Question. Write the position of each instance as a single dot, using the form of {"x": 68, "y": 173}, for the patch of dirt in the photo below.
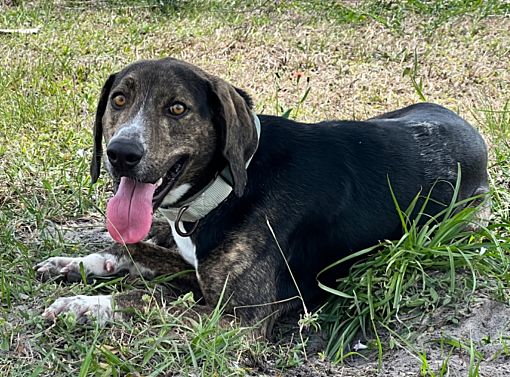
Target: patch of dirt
{"x": 88, "y": 234}
{"x": 487, "y": 324}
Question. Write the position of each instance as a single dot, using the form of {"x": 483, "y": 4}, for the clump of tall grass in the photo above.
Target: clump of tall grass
{"x": 400, "y": 277}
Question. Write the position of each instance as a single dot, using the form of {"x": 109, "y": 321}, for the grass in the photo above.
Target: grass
{"x": 401, "y": 277}
{"x": 308, "y": 60}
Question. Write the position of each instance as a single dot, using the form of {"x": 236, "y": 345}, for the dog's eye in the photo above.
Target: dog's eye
{"x": 177, "y": 109}
{"x": 119, "y": 101}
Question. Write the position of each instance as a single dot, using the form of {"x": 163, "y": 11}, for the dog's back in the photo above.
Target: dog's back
{"x": 446, "y": 143}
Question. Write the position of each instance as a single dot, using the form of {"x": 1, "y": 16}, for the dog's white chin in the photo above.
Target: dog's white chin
{"x": 175, "y": 194}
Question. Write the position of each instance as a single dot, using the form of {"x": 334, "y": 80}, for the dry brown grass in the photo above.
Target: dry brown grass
{"x": 358, "y": 72}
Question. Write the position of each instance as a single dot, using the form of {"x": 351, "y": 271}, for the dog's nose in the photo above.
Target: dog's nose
{"x": 124, "y": 154}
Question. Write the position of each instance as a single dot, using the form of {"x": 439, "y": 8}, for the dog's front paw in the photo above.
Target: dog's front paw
{"x": 69, "y": 268}
{"x": 84, "y": 308}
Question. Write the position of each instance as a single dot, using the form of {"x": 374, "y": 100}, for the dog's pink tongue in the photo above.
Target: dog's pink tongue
{"x": 129, "y": 212}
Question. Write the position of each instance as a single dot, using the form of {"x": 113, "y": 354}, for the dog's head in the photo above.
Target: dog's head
{"x": 169, "y": 128}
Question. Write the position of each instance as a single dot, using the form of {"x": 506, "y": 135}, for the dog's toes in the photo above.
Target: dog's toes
{"x": 49, "y": 268}
{"x": 84, "y": 308}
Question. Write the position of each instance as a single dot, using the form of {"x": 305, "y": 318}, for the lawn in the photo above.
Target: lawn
{"x": 435, "y": 303}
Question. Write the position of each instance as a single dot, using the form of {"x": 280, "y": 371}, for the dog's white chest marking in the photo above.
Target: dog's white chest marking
{"x": 186, "y": 247}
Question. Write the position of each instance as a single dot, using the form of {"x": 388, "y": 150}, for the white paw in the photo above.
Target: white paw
{"x": 83, "y": 307}
{"x": 97, "y": 264}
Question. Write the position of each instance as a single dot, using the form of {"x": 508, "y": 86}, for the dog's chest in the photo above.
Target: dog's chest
{"x": 185, "y": 246}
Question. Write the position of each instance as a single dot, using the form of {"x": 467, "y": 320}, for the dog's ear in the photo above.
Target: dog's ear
{"x": 95, "y": 164}
{"x": 232, "y": 113}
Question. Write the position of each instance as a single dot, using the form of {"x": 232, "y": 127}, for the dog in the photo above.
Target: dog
{"x": 256, "y": 204}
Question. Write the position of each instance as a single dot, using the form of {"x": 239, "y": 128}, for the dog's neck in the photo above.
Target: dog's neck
{"x": 202, "y": 203}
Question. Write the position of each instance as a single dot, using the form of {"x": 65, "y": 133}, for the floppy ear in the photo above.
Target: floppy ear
{"x": 95, "y": 164}
{"x": 237, "y": 127}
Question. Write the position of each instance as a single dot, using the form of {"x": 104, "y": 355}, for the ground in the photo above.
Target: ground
{"x": 311, "y": 61}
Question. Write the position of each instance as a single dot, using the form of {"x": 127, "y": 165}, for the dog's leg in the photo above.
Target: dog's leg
{"x": 100, "y": 264}
{"x": 245, "y": 271}
{"x": 108, "y": 308}
{"x": 101, "y": 308}
{"x": 145, "y": 259}
{"x": 142, "y": 258}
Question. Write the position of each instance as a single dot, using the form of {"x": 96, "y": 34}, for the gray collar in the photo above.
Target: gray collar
{"x": 208, "y": 199}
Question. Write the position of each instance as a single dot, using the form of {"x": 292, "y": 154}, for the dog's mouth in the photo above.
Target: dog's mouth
{"x": 129, "y": 212}
{"x": 165, "y": 183}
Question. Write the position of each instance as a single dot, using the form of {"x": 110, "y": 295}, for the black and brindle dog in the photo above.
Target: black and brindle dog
{"x": 187, "y": 143}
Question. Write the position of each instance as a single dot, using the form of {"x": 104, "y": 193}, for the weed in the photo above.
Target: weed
{"x": 412, "y": 72}
{"x": 291, "y": 112}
